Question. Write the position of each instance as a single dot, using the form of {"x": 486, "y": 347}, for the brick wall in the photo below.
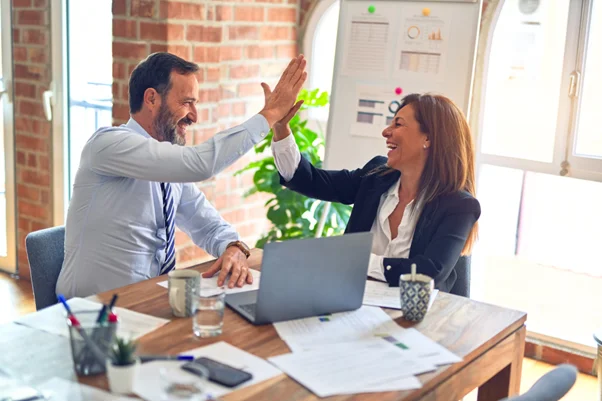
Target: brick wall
{"x": 237, "y": 44}
{"x": 31, "y": 55}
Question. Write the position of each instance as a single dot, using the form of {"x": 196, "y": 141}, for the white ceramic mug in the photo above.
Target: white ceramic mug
{"x": 183, "y": 289}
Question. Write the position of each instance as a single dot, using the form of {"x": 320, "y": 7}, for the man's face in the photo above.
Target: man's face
{"x": 177, "y": 110}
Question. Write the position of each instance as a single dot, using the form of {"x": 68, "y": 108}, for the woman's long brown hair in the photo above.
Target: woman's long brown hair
{"x": 450, "y": 166}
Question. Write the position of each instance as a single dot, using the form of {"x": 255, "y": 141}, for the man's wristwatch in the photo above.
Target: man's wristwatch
{"x": 242, "y": 246}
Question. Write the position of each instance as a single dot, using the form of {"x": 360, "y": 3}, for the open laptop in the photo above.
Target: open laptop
{"x": 309, "y": 277}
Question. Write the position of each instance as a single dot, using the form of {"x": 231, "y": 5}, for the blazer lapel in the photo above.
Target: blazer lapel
{"x": 365, "y": 209}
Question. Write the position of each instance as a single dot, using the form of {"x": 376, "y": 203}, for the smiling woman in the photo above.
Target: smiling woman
{"x": 418, "y": 201}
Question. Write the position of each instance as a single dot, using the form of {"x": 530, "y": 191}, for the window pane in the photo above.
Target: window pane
{"x": 90, "y": 74}
{"x": 523, "y": 80}
{"x": 323, "y": 51}
{"x": 538, "y": 250}
{"x": 589, "y": 133}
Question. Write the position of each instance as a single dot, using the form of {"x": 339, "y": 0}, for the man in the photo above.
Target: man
{"x": 135, "y": 182}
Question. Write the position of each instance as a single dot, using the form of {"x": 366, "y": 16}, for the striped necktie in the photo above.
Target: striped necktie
{"x": 170, "y": 246}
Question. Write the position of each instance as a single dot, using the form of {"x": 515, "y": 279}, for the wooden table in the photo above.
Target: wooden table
{"x": 490, "y": 339}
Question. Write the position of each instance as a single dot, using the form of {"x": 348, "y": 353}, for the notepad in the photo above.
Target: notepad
{"x": 150, "y": 385}
{"x": 58, "y": 389}
{"x": 380, "y": 294}
{"x": 209, "y": 282}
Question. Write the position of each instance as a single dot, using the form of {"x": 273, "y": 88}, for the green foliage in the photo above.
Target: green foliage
{"x": 123, "y": 351}
{"x": 293, "y": 215}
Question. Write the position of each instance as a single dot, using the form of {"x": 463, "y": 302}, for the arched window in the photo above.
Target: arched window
{"x": 319, "y": 46}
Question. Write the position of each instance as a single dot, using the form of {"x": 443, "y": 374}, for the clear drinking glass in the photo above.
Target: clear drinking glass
{"x": 208, "y": 318}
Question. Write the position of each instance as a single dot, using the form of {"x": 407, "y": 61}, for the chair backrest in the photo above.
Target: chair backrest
{"x": 45, "y": 252}
{"x": 551, "y": 386}
{"x": 462, "y": 285}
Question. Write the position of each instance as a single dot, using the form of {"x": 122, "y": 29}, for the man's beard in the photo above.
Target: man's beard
{"x": 166, "y": 127}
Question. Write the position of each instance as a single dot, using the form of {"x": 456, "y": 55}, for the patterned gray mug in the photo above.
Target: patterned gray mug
{"x": 183, "y": 290}
{"x": 415, "y": 291}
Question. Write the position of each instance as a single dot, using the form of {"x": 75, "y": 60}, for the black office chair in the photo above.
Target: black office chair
{"x": 462, "y": 285}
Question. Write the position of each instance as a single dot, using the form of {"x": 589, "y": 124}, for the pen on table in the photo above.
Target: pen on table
{"x": 112, "y": 303}
{"x": 148, "y": 358}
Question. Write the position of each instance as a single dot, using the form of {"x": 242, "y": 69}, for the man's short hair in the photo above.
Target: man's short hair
{"x": 154, "y": 72}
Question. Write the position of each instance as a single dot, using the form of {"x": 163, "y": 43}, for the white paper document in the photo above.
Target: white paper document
{"x": 374, "y": 365}
{"x": 422, "y": 46}
{"x": 53, "y": 319}
{"x": 364, "y": 323}
{"x": 374, "y": 109}
{"x": 58, "y": 389}
{"x": 380, "y": 294}
{"x": 413, "y": 343}
{"x": 151, "y": 386}
{"x": 212, "y": 282}
{"x": 367, "y": 39}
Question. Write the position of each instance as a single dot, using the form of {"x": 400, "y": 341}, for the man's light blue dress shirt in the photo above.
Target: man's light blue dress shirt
{"x": 115, "y": 231}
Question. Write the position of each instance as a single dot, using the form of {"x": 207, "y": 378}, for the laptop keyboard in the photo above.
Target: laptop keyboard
{"x": 249, "y": 308}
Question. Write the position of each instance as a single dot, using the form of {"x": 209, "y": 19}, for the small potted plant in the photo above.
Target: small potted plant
{"x": 123, "y": 366}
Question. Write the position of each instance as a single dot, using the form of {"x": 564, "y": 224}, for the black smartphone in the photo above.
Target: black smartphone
{"x": 218, "y": 372}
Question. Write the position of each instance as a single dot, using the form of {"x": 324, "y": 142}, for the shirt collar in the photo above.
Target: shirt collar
{"x": 394, "y": 189}
{"x": 134, "y": 125}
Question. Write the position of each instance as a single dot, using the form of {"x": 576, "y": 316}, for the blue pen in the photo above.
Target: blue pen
{"x": 74, "y": 320}
{"x": 148, "y": 358}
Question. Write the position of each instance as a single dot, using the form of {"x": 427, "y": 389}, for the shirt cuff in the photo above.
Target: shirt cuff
{"x": 222, "y": 247}
{"x": 258, "y": 127}
{"x": 281, "y": 145}
{"x": 375, "y": 269}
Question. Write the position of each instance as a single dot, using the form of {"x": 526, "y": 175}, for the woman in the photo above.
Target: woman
{"x": 418, "y": 201}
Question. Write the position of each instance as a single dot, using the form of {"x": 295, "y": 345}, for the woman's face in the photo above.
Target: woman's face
{"x": 408, "y": 146}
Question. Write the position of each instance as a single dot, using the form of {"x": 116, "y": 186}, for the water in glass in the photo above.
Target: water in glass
{"x": 209, "y": 317}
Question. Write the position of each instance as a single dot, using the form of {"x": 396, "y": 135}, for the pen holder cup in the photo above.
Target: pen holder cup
{"x": 90, "y": 343}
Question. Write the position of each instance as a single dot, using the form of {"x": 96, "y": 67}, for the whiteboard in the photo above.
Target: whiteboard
{"x": 388, "y": 49}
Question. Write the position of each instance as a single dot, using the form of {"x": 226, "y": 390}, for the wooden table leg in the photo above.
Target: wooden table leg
{"x": 507, "y": 382}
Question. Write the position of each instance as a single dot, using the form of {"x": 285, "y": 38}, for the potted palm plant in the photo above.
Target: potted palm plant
{"x": 123, "y": 366}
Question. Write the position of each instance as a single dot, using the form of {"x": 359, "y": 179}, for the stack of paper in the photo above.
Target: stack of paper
{"x": 52, "y": 319}
{"x": 373, "y": 365}
{"x": 377, "y": 354}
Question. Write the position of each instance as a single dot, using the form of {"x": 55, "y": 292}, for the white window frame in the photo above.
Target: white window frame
{"x": 577, "y": 167}
{"x": 8, "y": 263}
{"x": 307, "y": 44}
{"x": 310, "y": 28}
{"x": 584, "y": 167}
{"x": 59, "y": 108}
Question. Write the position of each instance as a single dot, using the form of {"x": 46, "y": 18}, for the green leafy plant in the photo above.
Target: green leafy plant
{"x": 123, "y": 351}
{"x": 293, "y": 215}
